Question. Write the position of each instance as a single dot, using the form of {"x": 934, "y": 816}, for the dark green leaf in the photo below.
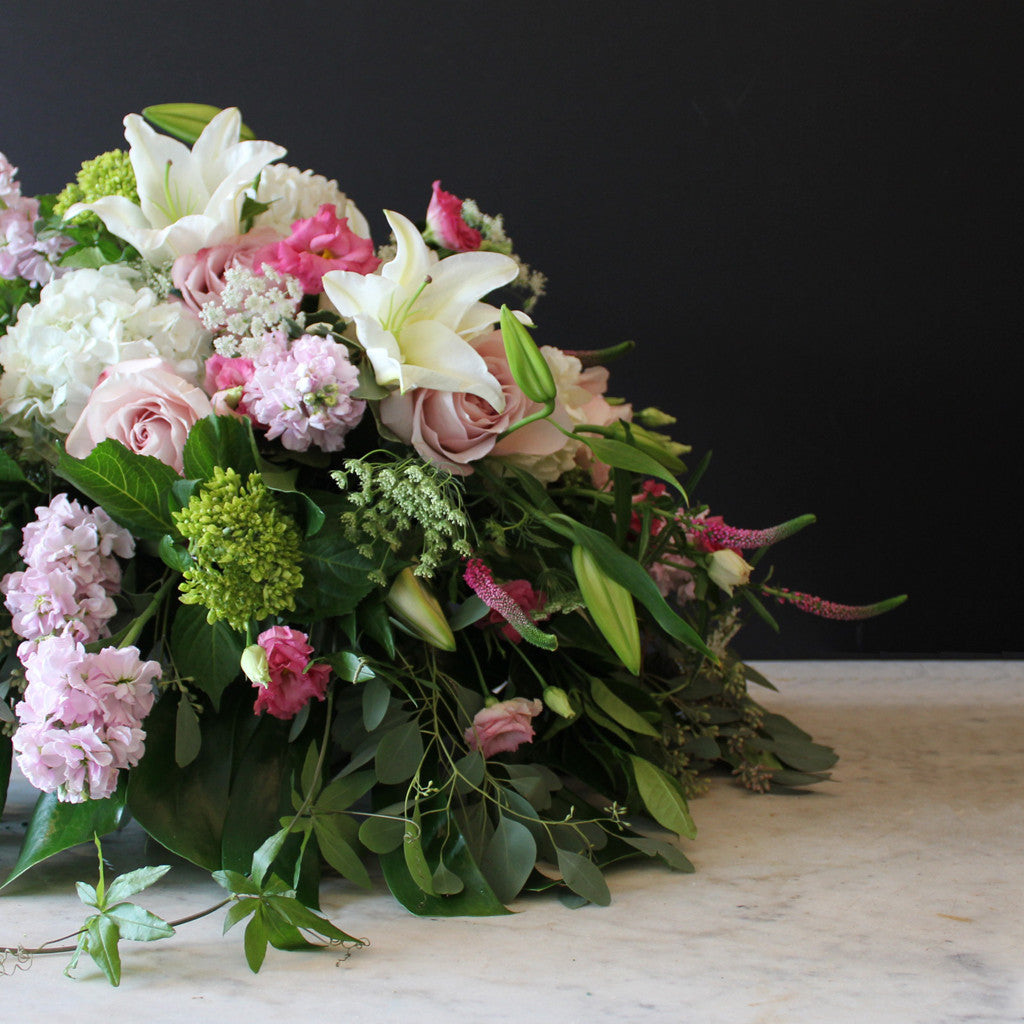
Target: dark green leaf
{"x": 239, "y": 911}
{"x": 335, "y": 576}
{"x": 133, "y": 489}
{"x": 584, "y": 877}
{"x": 509, "y": 858}
{"x": 343, "y": 792}
{"x": 351, "y": 668}
{"x": 662, "y": 798}
{"x": 415, "y": 858}
{"x": 470, "y": 611}
{"x": 235, "y": 882}
{"x": 56, "y": 826}
{"x": 219, "y": 441}
{"x": 174, "y": 554}
{"x": 10, "y": 471}
{"x": 255, "y": 942}
{"x": 187, "y": 737}
{"x": 670, "y": 854}
{"x": 302, "y": 917}
{"x": 800, "y": 754}
{"x": 266, "y": 854}
{"x": 208, "y": 654}
{"x": 399, "y": 754}
{"x": 755, "y": 602}
{"x": 624, "y": 456}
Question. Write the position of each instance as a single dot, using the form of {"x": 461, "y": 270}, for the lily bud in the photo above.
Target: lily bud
{"x": 186, "y": 121}
{"x": 728, "y": 569}
{"x": 652, "y": 417}
{"x": 557, "y": 700}
{"x": 528, "y": 366}
{"x": 416, "y": 607}
{"x": 255, "y": 666}
{"x": 610, "y": 606}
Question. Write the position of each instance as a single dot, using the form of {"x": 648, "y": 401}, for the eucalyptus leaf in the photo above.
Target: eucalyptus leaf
{"x": 584, "y": 877}
{"x": 665, "y": 851}
{"x": 399, "y": 753}
{"x": 376, "y": 699}
{"x": 509, "y": 858}
{"x": 382, "y": 835}
{"x": 187, "y": 736}
{"x": 415, "y": 858}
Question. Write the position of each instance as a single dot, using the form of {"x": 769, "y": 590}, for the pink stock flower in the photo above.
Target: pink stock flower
{"x": 293, "y": 681}
{"x": 200, "y": 276}
{"x": 446, "y": 224}
{"x": 81, "y": 715}
{"x": 302, "y": 393}
{"x": 319, "y": 245}
{"x": 502, "y": 727}
{"x": 145, "y": 405}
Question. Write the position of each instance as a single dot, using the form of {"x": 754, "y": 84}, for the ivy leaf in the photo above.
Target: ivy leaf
{"x": 133, "y": 489}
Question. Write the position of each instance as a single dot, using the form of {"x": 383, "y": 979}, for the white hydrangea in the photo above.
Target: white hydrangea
{"x": 84, "y": 322}
{"x": 298, "y": 195}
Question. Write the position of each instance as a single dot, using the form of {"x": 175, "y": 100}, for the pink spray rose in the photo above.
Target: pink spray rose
{"x": 200, "y": 276}
{"x": 143, "y": 404}
{"x": 503, "y": 727}
{"x": 225, "y": 383}
{"x": 318, "y": 245}
{"x": 455, "y": 429}
{"x": 446, "y": 225}
{"x": 292, "y": 685}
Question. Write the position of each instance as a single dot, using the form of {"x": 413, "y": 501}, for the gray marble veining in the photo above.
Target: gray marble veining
{"x": 892, "y": 894}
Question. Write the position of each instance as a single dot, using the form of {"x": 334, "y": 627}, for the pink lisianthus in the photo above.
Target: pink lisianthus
{"x": 502, "y": 727}
{"x": 456, "y": 429}
{"x": 527, "y": 598}
{"x": 302, "y": 392}
{"x": 225, "y": 383}
{"x": 200, "y": 276}
{"x": 319, "y": 245}
{"x": 446, "y": 225}
{"x": 145, "y": 405}
{"x": 293, "y": 681}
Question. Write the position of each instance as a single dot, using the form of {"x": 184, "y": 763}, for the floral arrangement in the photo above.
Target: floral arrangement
{"x": 311, "y": 555}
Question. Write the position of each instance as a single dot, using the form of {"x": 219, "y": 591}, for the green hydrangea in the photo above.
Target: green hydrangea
{"x": 109, "y": 174}
{"x": 246, "y": 550}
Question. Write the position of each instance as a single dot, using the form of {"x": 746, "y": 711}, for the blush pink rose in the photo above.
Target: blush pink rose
{"x": 200, "y": 276}
{"x": 292, "y": 685}
{"x": 445, "y": 222}
{"x": 143, "y": 404}
{"x": 318, "y": 245}
{"x": 453, "y": 429}
{"x": 503, "y": 727}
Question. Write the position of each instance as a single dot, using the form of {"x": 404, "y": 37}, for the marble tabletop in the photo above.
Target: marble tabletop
{"x": 892, "y": 893}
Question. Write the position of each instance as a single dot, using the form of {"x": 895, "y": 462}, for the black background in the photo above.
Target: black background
{"x": 806, "y": 214}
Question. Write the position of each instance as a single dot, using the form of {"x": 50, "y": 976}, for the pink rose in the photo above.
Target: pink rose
{"x": 200, "y": 276}
{"x": 445, "y": 222}
{"x": 453, "y": 429}
{"x": 292, "y": 685}
{"x": 318, "y": 245}
{"x": 503, "y": 727}
{"x": 143, "y": 404}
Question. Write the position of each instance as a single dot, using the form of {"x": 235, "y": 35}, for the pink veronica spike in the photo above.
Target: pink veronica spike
{"x": 830, "y": 609}
{"x": 733, "y": 537}
{"x": 478, "y": 576}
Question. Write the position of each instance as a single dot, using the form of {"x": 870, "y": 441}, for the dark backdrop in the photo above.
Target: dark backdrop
{"x": 806, "y": 214}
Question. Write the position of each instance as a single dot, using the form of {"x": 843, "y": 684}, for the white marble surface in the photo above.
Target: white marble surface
{"x": 893, "y": 893}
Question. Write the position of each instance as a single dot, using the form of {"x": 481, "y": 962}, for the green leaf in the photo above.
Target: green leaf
{"x": 415, "y": 858}
{"x": 633, "y": 576}
{"x": 255, "y": 942}
{"x": 237, "y": 912}
{"x": 219, "y": 441}
{"x": 236, "y": 883}
{"x": 509, "y": 858}
{"x": 351, "y": 668}
{"x": 335, "y": 576}
{"x": 295, "y": 913}
{"x": 56, "y": 826}
{"x": 187, "y": 737}
{"x": 133, "y": 489}
{"x": 103, "y": 936}
{"x": 376, "y": 700}
{"x": 186, "y": 121}
{"x": 445, "y": 881}
{"x": 265, "y": 855}
{"x": 619, "y": 710}
{"x": 344, "y": 792}
{"x": 399, "y": 754}
{"x": 338, "y": 852}
{"x": 584, "y": 877}
{"x": 134, "y": 882}
{"x": 800, "y": 754}
{"x": 137, "y": 924}
{"x": 470, "y": 611}
{"x": 87, "y": 894}
{"x": 668, "y": 853}
{"x": 621, "y": 455}
{"x": 174, "y": 554}
{"x": 382, "y": 835}
{"x": 10, "y": 471}
{"x": 662, "y": 798}
{"x": 210, "y": 655}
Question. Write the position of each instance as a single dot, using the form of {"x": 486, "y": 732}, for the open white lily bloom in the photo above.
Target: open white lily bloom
{"x": 413, "y": 319}
{"x": 189, "y": 199}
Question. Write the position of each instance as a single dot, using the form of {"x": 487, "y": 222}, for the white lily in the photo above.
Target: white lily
{"x": 413, "y": 319}
{"x": 188, "y": 198}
